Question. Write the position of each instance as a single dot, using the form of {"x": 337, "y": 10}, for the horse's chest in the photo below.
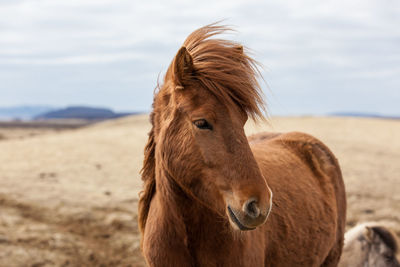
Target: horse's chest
{"x": 228, "y": 260}
{"x": 232, "y": 253}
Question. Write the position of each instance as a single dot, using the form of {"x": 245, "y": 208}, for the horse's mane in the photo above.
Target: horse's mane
{"x": 388, "y": 237}
{"x": 223, "y": 68}
{"x": 148, "y": 178}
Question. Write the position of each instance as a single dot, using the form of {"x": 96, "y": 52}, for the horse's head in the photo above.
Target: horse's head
{"x": 370, "y": 244}
{"x": 209, "y": 91}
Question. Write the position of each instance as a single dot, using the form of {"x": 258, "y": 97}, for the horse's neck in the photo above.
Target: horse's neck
{"x": 203, "y": 227}
{"x": 188, "y": 208}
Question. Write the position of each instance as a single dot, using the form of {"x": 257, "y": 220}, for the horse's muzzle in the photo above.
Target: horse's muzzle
{"x": 246, "y": 220}
{"x": 236, "y": 221}
{"x": 250, "y": 216}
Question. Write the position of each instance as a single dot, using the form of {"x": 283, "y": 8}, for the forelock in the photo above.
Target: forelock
{"x": 223, "y": 68}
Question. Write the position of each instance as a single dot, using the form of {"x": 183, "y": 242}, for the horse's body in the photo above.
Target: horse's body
{"x": 205, "y": 183}
{"x": 370, "y": 245}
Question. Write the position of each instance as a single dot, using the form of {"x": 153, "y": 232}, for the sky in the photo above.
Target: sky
{"x": 319, "y": 57}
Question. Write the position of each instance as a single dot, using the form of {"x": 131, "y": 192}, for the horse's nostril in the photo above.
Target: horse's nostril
{"x": 251, "y": 208}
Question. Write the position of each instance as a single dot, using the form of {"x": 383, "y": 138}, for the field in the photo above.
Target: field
{"x": 68, "y": 197}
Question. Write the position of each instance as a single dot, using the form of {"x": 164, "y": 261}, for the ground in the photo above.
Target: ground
{"x": 68, "y": 197}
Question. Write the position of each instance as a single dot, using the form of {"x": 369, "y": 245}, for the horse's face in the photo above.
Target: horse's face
{"x": 210, "y": 155}
{"x": 381, "y": 255}
{"x": 227, "y": 161}
{"x": 370, "y": 245}
{"x": 382, "y": 247}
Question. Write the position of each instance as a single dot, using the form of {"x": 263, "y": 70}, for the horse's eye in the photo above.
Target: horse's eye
{"x": 388, "y": 256}
{"x": 203, "y": 124}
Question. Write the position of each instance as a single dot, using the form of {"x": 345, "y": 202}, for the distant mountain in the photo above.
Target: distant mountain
{"x": 23, "y": 112}
{"x": 81, "y": 112}
{"x": 365, "y": 115}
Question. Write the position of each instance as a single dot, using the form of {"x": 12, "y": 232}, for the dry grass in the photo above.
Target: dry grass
{"x": 69, "y": 198}
{"x": 26, "y": 129}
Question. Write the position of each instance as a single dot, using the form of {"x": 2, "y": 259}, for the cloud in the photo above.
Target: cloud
{"x": 310, "y": 48}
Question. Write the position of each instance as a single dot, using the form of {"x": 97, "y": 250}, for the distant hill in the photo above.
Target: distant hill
{"x": 81, "y": 112}
{"x": 364, "y": 115}
{"x": 23, "y": 112}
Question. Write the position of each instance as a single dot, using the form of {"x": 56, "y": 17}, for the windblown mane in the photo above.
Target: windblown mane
{"x": 148, "y": 178}
{"x": 223, "y": 68}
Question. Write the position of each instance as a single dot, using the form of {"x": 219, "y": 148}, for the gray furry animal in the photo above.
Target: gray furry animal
{"x": 370, "y": 244}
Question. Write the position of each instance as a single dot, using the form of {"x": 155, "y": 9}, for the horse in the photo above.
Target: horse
{"x": 370, "y": 244}
{"x": 208, "y": 190}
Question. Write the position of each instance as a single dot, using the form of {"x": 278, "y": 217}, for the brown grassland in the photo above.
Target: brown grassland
{"x": 69, "y": 197}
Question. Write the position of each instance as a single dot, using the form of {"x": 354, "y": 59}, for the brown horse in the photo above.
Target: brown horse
{"x": 208, "y": 189}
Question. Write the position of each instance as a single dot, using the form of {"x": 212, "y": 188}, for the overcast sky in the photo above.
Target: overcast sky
{"x": 319, "y": 56}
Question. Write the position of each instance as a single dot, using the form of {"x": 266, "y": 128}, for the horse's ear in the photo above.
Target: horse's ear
{"x": 369, "y": 234}
{"x": 182, "y": 68}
